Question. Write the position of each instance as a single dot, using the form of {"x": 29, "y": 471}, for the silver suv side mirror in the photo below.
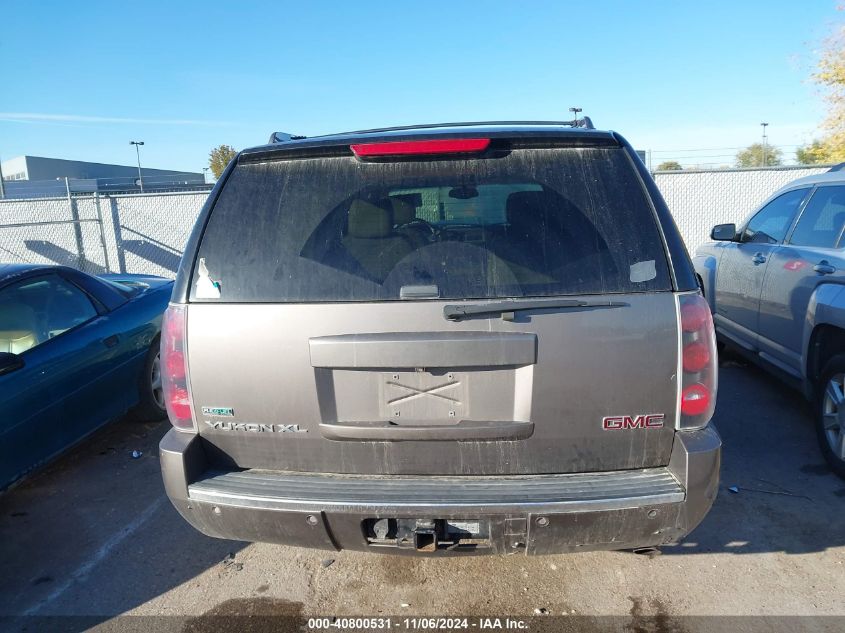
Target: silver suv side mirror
{"x": 724, "y": 233}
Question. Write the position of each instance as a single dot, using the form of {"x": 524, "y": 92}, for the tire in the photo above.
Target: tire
{"x": 830, "y": 414}
{"x": 150, "y": 397}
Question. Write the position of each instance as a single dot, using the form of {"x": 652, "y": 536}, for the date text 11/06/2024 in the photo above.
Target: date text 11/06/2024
{"x": 415, "y": 624}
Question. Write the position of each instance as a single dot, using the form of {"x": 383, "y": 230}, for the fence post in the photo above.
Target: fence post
{"x": 77, "y": 229}
{"x": 102, "y": 231}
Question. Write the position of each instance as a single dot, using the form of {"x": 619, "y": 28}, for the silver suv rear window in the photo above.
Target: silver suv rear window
{"x": 533, "y": 223}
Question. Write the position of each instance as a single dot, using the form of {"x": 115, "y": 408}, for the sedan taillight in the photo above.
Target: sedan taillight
{"x": 698, "y": 362}
{"x": 174, "y": 368}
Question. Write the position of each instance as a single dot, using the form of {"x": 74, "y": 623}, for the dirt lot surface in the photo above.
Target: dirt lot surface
{"x": 93, "y": 535}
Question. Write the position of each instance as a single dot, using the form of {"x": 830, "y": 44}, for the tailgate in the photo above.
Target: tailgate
{"x": 482, "y": 396}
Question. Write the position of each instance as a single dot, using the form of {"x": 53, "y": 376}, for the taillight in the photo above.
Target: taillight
{"x": 417, "y": 148}
{"x": 698, "y": 362}
{"x": 695, "y": 399}
{"x": 174, "y": 369}
{"x": 696, "y": 357}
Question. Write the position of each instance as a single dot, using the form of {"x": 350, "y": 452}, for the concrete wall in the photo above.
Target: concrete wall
{"x": 146, "y": 233}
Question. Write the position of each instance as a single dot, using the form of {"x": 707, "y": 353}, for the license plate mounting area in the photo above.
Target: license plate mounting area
{"x": 427, "y": 535}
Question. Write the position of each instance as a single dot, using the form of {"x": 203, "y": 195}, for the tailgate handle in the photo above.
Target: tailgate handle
{"x": 465, "y": 430}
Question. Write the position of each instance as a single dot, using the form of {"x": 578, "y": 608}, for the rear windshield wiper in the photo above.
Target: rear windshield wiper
{"x": 508, "y": 308}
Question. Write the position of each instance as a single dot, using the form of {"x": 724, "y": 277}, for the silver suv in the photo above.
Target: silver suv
{"x": 776, "y": 287}
{"x": 443, "y": 339}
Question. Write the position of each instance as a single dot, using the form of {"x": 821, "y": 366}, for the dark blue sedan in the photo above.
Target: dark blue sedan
{"x": 75, "y": 352}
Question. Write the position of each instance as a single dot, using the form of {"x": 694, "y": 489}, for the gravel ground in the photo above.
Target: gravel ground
{"x": 93, "y": 535}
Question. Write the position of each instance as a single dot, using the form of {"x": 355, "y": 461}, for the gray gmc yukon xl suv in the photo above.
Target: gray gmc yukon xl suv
{"x": 463, "y": 338}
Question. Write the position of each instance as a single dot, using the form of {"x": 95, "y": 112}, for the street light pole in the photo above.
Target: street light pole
{"x": 765, "y": 146}
{"x": 575, "y": 112}
{"x": 138, "y": 154}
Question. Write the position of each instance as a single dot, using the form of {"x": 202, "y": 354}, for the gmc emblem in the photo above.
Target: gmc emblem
{"x": 643, "y": 421}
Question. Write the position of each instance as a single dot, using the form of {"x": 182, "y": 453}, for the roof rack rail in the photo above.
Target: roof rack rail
{"x": 584, "y": 122}
{"x": 284, "y": 137}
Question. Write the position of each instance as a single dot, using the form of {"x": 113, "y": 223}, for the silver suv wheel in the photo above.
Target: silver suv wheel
{"x": 833, "y": 414}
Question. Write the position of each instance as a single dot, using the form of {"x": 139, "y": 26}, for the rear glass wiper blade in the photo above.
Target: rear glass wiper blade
{"x": 456, "y": 312}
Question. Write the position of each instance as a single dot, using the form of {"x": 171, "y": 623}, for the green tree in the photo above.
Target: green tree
{"x": 669, "y": 165}
{"x": 831, "y": 76}
{"x": 752, "y": 156}
{"x": 219, "y": 157}
{"x": 811, "y": 154}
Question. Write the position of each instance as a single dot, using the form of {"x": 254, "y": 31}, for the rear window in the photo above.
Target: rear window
{"x": 534, "y": 223}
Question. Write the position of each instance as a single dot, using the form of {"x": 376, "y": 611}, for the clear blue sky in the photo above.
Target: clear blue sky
{"x": 80, "y": 80}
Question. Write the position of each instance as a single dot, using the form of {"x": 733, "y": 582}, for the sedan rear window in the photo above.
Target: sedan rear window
{"x": 533, "y": 223}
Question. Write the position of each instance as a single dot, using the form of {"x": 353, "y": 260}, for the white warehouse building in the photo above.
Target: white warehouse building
{"x": 34, "y": 176}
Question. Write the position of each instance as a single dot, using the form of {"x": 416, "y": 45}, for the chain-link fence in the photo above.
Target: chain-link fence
{"x": 146, "y": 233}
{"x": 67, "y": 231}
{"x": 140, "y": 233}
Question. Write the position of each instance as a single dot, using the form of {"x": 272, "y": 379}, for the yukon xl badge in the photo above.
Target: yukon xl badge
{"x": 625, "y": 422}
{"x": 252, "y": 427}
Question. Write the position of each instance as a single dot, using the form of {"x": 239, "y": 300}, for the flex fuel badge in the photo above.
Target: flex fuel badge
{"x": 221, "y": 411}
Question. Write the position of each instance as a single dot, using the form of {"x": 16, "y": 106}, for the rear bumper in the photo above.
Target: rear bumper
{"x": 526, "y": 514}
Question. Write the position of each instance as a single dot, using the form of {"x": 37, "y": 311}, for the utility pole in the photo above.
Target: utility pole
{"x": 138, "y": 154}
{"x": 765, "y": 146}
